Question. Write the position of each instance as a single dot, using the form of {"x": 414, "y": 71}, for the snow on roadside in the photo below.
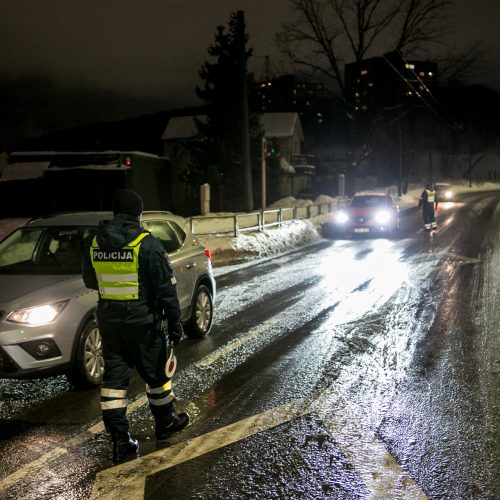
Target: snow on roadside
{"x": 245, "y": 247}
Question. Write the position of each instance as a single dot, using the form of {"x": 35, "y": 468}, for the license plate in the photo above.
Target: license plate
{"x": 361, "y": 230}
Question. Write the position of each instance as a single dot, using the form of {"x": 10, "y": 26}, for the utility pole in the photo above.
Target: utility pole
{"x": 245, "y": 128}
{"x": 263, "y": 171}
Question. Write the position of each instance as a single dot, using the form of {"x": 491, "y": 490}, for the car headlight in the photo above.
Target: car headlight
{"x": 341, "y": 217}
{"x": 383, "y": 217}
{"x": 38, "y": 315}
{"x": 448, "y": 194}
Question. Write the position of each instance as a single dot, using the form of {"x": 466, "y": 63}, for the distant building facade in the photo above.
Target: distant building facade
{"x": 382, "y": 82}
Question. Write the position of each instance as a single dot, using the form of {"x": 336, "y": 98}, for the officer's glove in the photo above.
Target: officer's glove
{"x": 175, "y": 333}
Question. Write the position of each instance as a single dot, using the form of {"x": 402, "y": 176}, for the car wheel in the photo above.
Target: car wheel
{"x": 88, "y": 364}
{"x": 202, "y": 311}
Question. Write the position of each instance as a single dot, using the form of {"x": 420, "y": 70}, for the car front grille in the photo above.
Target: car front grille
{"x": 7, "y": 365}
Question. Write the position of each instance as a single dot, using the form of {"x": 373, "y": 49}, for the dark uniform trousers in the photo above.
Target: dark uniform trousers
{"x": 126, "y": 347}
{"x": 428, "y": 215}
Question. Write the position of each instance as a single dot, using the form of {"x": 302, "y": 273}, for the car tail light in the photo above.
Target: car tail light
{"x": 208, "y": 254}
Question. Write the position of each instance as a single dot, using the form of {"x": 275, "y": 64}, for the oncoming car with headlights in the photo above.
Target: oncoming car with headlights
{"x": 47, "y": 322}
{"x": 366, "y": 213}
{"x": 444, "y": 192}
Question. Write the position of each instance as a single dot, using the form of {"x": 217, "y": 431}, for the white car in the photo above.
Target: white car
{"x": 47, "y": 323}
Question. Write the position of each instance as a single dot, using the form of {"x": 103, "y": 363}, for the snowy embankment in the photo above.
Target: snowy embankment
{"x": 249, "y": 246}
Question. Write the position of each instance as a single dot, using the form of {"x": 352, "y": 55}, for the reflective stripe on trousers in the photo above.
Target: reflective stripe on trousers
{"x": 112, "y": 399}
{"x": 160, "y": 396}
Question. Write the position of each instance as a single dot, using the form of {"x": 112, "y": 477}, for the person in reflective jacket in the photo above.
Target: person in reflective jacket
{"x": 133, "y": 275}
{"x": 428, "y": 201}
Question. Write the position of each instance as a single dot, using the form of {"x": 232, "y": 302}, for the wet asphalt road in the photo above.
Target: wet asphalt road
{"x": 364, "y": 368}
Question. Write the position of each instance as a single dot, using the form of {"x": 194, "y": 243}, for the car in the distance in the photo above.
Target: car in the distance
{"x": 444, "y": 191}
{"x": 366, "y": 213}
{"x": 47, "y": 315}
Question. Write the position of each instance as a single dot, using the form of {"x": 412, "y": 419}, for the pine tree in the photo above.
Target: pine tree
{"x": 217, "y": 155}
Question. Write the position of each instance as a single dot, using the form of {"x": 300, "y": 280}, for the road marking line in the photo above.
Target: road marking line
{"x": 377, "y": 467}
{"x": 462, "y": 259}
{"x": 31, "y": 467}
{"x": 27, "y": 469}
{"x": 128, "y": 480}
{"x": 235, "y": 344}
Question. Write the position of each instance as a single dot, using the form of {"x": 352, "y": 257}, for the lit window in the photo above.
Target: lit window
{"x": 409, "y": 66}
{"x": 269, "y": 84}
{"x": 431, "y": 73}
{"x": 421, "y": 74}
{"x": 370, "y": 84}
{"x": 356, "y": 94}
{"x": 364, "y": 72}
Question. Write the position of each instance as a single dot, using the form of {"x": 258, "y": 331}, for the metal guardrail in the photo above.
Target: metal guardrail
{"x": 235, "y": 224}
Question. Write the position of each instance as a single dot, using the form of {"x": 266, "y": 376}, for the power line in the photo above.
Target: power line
{"x": 448, "y": 120}
{"x": 424, "y": 86}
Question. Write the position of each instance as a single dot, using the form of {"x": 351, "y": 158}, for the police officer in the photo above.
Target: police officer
{"x": 133, "y": 275}
{"x": 428, "y": 201}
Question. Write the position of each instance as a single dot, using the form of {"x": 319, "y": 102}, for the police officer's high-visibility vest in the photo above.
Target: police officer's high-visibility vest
{"x": 117, "y": 271}
{"x": 431, "y": 196}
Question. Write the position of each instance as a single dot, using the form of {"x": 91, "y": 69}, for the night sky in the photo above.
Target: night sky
{"x": 152, "y": 50}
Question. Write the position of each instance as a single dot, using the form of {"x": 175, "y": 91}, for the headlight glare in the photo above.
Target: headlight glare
{"x": 341, "y": 217}
{"x": 448, "y": 194}
{"x": 383, "y": 217}
{"x": 38, "y": 315}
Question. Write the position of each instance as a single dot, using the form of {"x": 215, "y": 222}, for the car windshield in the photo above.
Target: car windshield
{"x": 44, "y": 250}
{"x": 367, "y": 201}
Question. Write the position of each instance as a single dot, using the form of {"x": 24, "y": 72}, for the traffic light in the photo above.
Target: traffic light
{"x": 271, "y": 149}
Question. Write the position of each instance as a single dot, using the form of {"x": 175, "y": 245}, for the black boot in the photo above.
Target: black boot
{"x": 123, "y": 445}
{"x": 175, "y": 424}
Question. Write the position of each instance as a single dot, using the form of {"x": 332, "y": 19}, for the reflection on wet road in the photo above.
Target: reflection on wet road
{"x": 363, "y": 368}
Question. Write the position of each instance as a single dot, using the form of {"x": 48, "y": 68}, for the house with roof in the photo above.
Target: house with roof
{"x": 288, "y": 171}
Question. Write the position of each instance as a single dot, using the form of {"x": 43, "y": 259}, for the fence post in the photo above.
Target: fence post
{"x": 280, "y": 217}
{"x": 236, "y": 229}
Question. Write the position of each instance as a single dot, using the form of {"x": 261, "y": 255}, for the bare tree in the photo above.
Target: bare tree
{"x": 328, "y": 33}
{"x": 461, "y": 65}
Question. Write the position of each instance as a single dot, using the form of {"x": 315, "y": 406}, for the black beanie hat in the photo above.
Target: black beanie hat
{"x": 128, "y": 202}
